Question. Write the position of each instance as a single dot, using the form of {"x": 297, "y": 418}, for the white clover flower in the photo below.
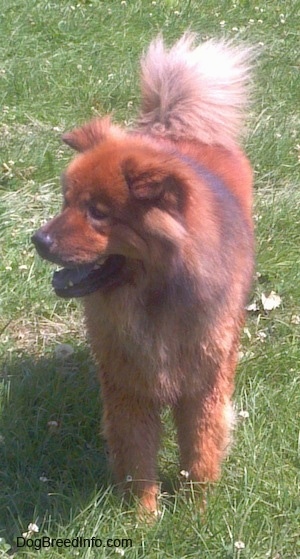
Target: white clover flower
{"x": 239, "y": 545}
{"x": 271, "y": 302}
{"x": 32, "y": 527}
{"x": 243, "y": 414}
{"x": 184, "y": 474}
{"x": 43, "y": 479}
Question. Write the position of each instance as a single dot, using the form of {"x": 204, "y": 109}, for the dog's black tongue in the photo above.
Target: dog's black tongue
{"x": 67, "y": 277}
{"x": 86, "y": 279}
{"x": 72, "y": 282}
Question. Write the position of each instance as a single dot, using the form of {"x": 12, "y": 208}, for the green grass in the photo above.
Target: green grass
{"x": 61, "y": 63}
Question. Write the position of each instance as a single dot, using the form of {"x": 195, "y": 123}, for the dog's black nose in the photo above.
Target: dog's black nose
{"x": 42, "y": 242}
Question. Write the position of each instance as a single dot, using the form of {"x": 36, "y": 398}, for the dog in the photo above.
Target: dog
{"x": 156, "y": 236}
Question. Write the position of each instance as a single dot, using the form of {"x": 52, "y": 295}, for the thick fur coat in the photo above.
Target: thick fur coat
{"x": 156, "y": 235}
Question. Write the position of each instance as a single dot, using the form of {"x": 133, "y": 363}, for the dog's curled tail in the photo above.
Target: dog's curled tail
{"x": 197, "y": 92}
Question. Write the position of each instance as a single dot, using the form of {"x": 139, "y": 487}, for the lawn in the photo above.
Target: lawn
{"x": 63, "y": 62}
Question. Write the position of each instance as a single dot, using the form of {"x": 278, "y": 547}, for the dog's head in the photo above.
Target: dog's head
{"x": 124, "y": 200}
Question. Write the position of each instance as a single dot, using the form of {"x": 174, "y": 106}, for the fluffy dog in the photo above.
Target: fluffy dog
{"x": 156, "y": 235}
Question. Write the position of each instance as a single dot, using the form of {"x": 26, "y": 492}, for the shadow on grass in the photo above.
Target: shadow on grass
{"x": 52, "y": 459}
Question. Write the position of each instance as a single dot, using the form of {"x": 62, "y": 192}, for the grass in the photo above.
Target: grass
{"x": 63, "y": 62}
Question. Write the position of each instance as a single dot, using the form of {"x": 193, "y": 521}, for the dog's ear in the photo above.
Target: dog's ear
{"x": 90, "y": 134}
{"x": 148, "y": 180}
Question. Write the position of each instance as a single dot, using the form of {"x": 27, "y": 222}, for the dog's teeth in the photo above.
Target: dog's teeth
{"x": 100, "y": 262}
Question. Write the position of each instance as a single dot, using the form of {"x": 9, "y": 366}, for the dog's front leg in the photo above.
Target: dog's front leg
{"x": 204, "y": 425}
{"x": 132, "y": 430}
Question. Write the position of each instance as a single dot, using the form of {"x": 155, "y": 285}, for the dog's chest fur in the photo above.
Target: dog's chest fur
{"x": 160, "y": 349}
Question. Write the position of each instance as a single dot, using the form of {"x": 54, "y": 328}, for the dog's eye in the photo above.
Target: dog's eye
{"x": 96, "y": 213}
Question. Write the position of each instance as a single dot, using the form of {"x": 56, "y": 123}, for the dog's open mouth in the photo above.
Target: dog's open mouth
{"x": 88, "y": 278}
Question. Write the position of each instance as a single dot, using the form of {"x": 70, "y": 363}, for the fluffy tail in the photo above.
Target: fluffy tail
{"x": 195, "y": 92}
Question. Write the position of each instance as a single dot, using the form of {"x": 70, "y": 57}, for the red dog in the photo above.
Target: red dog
{"x": 156, "y": 234}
